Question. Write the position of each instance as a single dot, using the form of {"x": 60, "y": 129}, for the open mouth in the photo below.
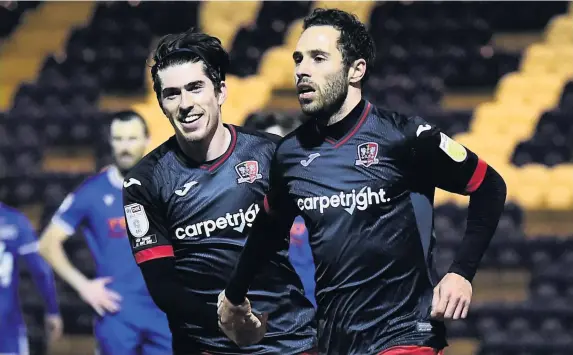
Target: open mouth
{"x": 304, "y": 89}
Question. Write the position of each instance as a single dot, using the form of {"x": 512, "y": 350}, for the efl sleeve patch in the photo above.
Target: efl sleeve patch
{"x": 453, "y": 149}
{"x": 137, "y": 221}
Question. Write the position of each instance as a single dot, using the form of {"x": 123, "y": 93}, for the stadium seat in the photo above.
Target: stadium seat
{"x": 223, "y": 19}
{"x": 560, "y": 30}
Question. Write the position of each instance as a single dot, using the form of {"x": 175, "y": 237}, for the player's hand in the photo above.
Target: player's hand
{"x": 54, "y": 327}
{"x": 239, "y": 323}
{"x": 96, "y": 294}
{"x": 452, "y": 298}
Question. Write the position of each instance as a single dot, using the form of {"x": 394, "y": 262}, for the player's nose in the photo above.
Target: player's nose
{"x": 302, "y": 70}
{"x": 186, "y": 101}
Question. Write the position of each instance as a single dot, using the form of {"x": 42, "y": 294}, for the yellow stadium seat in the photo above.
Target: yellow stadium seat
{"x": 510, "y": 176}
{"x": 277, "y": 67}
{"x": 535, "y": 174}
{"x": 530, "y": 187}
{"x": 561, "y": 63}
{"x": 528, "y": 196}
{"x": 514, "y": 121}
{"x": 223, "y": 19}
{"x": 520, "y": 99}
{"x": 561, "y": 174}
{"x": 534, "y": 90}
{"x": 560, "y": 197}
{"x": 536, "y": 56}
{"x": 245, "y": 96}
{"x": 560, "y": 30}
{"x": 548, "y": 59}
{"x": 293, "y": 33}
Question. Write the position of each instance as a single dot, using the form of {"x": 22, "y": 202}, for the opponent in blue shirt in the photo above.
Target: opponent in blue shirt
{"x": 18, "y": 239}
{"x": 128, "y": 322}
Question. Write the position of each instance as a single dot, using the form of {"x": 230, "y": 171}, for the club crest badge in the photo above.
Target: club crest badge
{"x": 367, "y": 154}
{"x": 248, "y": 171}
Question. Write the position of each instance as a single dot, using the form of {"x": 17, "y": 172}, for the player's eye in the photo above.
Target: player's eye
{"x": 319, "y": 59}
{"x": 170, "y": 96}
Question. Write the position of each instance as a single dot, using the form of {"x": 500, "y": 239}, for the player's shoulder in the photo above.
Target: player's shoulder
{"x": 258, "y": 136}
{"x": 150, "y": 164}
{"x": 257, "y": 143}
{"x": 303, "y": 135}
{"x": 406, "y": 124}
{"x": 94, "y": 179}
{"x": 12, "y": 214}
{"x": 94, "y": 183}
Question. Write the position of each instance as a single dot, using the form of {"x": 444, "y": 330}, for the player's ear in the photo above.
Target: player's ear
{"x": 357, "y": 71}
{"x": 222, "y": 94}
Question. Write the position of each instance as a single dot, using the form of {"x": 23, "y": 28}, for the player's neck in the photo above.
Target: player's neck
{"x": 352, "y": 99}
{"x": 210, "y": 148}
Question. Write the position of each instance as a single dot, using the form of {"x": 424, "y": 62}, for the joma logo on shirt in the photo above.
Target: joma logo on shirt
{"x": 348, "y": 200}
{"x": 236, "y": 221}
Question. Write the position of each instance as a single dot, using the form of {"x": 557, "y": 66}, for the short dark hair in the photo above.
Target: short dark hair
{"x": 355, "y": 41}
{"x": 128, "y": 115}
{"x": 190, "y": 46}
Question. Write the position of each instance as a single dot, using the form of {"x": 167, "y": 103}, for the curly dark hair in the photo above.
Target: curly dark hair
{"x": 355, "y": 41}
{"x": 190, "y": 46}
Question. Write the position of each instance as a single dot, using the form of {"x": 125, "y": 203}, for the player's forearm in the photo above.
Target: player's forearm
{"x": 44, "y": 279}
{"x": 172, "y": 298}
{"x": 55, "y": 255}
{"x": 265, "y": 238}
{"x": 484, "y": 211}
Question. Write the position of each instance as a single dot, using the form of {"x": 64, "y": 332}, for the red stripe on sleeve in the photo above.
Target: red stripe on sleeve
{"x": 266, "y": 205}
{"x": 477, "y": 177}
{"x": 162, "y": 251}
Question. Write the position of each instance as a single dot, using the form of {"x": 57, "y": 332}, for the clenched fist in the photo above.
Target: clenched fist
{"x": 239, "y": 323}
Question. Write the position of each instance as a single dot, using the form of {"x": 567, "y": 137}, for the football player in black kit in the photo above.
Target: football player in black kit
{"x": 363, "y": 178}
{"x": 190, "y": 203}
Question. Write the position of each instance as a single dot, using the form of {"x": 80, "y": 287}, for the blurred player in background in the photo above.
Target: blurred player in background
{"x": 128, "y": 322}
{"x": 192, "y": 206}
{"x": 364, "y": 179}
{"x": 18, "y": 240}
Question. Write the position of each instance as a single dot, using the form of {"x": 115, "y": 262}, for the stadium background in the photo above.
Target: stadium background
{"x": 497, "y": 76}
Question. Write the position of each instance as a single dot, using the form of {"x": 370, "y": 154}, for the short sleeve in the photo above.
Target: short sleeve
{"x": 72, "y": 211}
{"x": 440, "y": 161}
{"x": 145, "y": 220}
